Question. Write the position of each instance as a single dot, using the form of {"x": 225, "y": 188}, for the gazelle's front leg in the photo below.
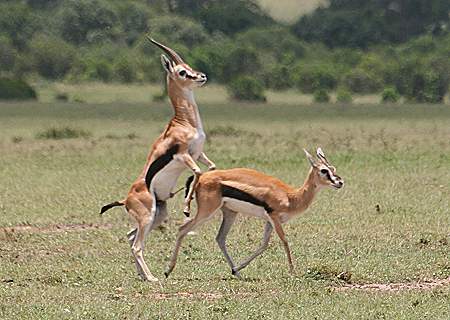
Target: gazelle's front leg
{"x": 206, "y": 161}
{"x": 190, "y": 163}
{"x": 280, "y": 232}
{"x": 265, "y": 242}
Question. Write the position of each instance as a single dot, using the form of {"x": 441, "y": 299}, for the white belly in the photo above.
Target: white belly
{"x": 245, "y": 208}
{"x": 166, "y": 179}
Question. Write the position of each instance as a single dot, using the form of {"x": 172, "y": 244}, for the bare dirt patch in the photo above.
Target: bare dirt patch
{"x": 55, "y": 228}
{"x": 401, "y": 286}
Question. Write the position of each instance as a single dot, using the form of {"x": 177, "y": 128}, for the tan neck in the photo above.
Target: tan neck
{"x": 302, "y": 198}
{"x": 183, "y": 102}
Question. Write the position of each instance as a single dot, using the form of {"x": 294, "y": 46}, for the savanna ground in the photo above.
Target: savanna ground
{"x": 389, "y": 224}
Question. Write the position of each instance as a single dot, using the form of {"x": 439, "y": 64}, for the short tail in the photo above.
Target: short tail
{"x": 112, "y": 205}
{"x": 188, "y": 186}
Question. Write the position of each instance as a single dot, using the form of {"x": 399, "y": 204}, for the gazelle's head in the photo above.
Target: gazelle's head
{"x": 178, "y": 70}
{"x": 324, "y": 173}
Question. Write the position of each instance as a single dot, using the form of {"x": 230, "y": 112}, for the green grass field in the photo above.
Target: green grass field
{"x": 389, "y": 224}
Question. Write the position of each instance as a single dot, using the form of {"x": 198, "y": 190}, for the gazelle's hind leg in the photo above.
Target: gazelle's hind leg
{"x": 204, "y": 212}
{"x": 131, "y": 236}
{"x": 229, "y": 217}
{"x": 145, "y": 219}
{"x": 265, "y": 242}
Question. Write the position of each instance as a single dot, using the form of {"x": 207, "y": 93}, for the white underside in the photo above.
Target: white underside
{"x": 245, "y": 208}
{"x": 166, "y": 179}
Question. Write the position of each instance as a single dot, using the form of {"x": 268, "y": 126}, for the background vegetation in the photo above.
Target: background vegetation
{"x": 360, "y": 47}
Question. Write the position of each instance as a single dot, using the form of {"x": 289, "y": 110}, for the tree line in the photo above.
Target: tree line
{"x": 350, "y": 46}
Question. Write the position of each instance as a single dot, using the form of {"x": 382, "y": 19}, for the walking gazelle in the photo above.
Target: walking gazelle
{"x": 253, "y": 193}
{"x": 176, "y": 149}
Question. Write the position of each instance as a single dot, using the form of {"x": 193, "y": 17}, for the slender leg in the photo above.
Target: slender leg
{"x": 264, "y": 244}
{"x": 205, "y": 160}
{"x": 182, "y": 232}
{"x": 228, "y": 219}
{"x": 131, "y": 235}
{"x": 190, "y": 163}
{"x": 280, "y": 232}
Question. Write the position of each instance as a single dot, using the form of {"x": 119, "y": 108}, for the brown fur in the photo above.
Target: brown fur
{"x": 285, "y": 201}
{"x": 181, "y": 131}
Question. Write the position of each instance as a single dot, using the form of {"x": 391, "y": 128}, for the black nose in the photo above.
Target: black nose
{"x": 340, "y": 183}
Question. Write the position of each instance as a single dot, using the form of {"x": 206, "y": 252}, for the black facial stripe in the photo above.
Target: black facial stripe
{"x": 329, "y": 177}
{"x": 160, "y": 163}
{"x": 190, "y": 77}
{"x": 237, "y": 194}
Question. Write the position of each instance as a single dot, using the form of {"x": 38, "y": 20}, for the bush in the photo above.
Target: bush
{"x": 62, "y": 133}
{"x": 344, "y": 96}
{"x": 390, "y": 95}
{"x": 7, "y": 54}
{"x": 52, "y": 57}
{"x": 124, "y": 70}
{"x": 177, "y": 29}
{"x": 321, "y": 96}
{"x": 429, "y": 86}
{"x": 241, "y": 61}
{"x": 247, "y": 88}
{"x": 361, "y": 81}
{"x": 310, "y": 78}
{"x": 83, "y": 20}
{"x": 15, "y": 89}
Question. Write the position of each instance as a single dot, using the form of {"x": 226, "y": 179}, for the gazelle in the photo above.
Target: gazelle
{"x": 176, "y": 149}
{"x": 253, "y": 193}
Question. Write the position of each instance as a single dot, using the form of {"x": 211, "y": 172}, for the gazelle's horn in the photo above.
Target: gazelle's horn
{"x": 175, "y": 57}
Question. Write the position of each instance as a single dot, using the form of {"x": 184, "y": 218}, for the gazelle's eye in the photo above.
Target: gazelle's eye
{"x": 182, "y": 73}
{"x": 324, "y": 171}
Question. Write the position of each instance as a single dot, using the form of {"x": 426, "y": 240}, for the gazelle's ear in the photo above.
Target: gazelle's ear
{"x": 321, "y": 155}
{"x": 167, "y": 64}
{"x": 312, "y": 161}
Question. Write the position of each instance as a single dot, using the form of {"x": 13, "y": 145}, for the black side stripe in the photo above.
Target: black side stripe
{"x": 160, "y": 163}
{"x": 237, "y": 194}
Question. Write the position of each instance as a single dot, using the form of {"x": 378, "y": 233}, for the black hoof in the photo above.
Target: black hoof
{"x": 187, "y": 214}
{"x": 233, "y": 272}
{"x": 166, "y": 274}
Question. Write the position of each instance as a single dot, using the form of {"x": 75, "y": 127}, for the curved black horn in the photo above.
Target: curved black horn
{"x": 175, "y": 57}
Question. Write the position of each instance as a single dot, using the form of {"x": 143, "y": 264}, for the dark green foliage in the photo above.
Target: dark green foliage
{"x": 87, "y": 21}
{"x": 321, "y": 96}
{"x": 390, "y": 95}
{"x": 241, "y": 61}
{"x": 16, "y": 89}
{"x": 232, "y": 16}
{"x": 124, "y": 70}
{"x": 310, "y": 78}
{"x": 361, "y": 23}
{"x": 134, "y": 18}
{"x": 18, "y": 22}
{"x": 51, "y": 56}
{"x": 247, "y": 88}
{"x": 343, "y": 96}
{"x": 361, "y": 81}
{"x": 7, "y": 54}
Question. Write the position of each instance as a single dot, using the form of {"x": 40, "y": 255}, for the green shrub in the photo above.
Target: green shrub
{"x": 390, "y": 95}
{"x": 361, "y": 81}
{"x": 241, "y": 61}
{"x": 124, "y": 70}
{"x": 321, "y": 96}
{"x": 52, "y": 57}
{"x": 62, "y": 96}
{"x": 310, "y": 78}
{"x": 344, "y": 96}
{"x": 62, "y": 133}
{"x": 7, "y": 54}
{"x": 15, "y": 89}
{"x": 429, "y": 86}
{"x": 247, "y": 88}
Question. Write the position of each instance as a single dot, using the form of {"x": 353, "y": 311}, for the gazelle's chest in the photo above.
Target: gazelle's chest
{"x": 196, "y": 143}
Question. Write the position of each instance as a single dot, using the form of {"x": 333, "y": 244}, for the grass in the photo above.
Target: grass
{"x": 390, "y": 223}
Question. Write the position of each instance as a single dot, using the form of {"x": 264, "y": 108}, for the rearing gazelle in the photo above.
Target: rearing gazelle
{"x": 176, "y": 149}
{"x": 253, "y": 193}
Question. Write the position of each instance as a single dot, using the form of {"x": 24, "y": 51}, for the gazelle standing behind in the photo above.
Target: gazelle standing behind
{"x": 176, "y": 149}
{"x": 253, "y": 193}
